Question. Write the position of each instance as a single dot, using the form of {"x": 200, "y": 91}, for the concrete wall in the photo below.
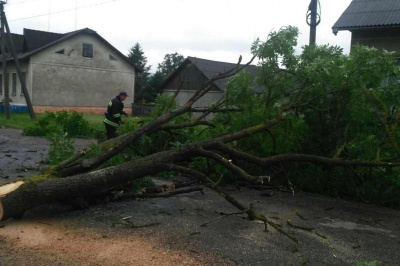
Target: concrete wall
{"x": 70, "y": 81}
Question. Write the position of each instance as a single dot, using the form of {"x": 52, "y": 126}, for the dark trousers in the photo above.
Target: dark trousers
{"x": 111, "y": 131}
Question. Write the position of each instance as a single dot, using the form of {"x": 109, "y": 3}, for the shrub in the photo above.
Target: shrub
{"x": 71, "y": 122}
{"x": 61, "y": 146}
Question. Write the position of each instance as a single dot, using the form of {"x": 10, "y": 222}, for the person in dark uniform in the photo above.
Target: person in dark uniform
{"x": 113, "y": 117}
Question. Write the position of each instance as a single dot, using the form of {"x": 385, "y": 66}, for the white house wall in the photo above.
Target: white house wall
{"x": 70, "y": 79}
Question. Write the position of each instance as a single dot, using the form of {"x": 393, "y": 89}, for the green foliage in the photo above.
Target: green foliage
{"x": 61, "y": 146}
{"x": 71, "y": 122}
{"x": 141, "y": 183}
{"x": 333, "y": 105}
{"x": 278, "y": 49}
{"x": 148, "y": 144}
{"x": 146, "y": 85}
{"x": 155, "y": 82}
{"x": 98, "y": 132}
{"x": 137, "y": 57}
{"x": 131, "y": 124}
{"x": 116, "y": 160}
{"x": 367, "y": 263}
{"x": 170, "y": 64}
{"x": 239, "y": 94}
{"x": 164, "y": 70}
{"x": 164, "y": 103}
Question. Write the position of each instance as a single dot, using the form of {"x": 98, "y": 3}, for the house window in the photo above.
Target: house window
{"x": 1, "y": 84}
{"x": 24, "y": 80}
{"x": 14, "y": 84}
{"x": 87, "y": 50}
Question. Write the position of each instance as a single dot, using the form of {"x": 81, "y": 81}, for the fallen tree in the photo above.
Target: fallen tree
{"x": 22, "y": 195}
{"x": 85, "y": 174}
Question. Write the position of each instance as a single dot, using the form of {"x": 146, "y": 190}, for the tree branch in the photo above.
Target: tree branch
{"x": 251, "y": 213}
{"x": 234, "y": 168}
{"x": 160, "y": 195}
{"x": 300, "y": 158}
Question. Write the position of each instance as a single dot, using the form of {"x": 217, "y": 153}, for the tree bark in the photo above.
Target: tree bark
{"x": 16, "y": 198}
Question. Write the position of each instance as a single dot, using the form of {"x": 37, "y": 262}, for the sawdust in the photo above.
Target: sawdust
{"x": 52, "y": 243}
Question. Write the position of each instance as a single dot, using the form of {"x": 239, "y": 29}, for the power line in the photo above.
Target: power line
{"x": 64, "y": 11}
{"x": 21, "y": 2}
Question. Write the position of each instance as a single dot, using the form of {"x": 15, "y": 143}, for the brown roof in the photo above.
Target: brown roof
{"x": 369, "y": 13}
{"x": 210, "y": 69}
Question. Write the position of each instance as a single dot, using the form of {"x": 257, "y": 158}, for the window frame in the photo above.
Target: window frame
{"x": 14, "y": 84}
{"x": 24, "y": 78}
{"x": 87, "y": 50}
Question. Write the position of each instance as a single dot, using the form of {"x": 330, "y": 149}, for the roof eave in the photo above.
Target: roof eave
{"x": 335, "y": 30}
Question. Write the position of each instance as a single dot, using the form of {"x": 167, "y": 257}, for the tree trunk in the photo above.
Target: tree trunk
{"x": 20, "y": 196}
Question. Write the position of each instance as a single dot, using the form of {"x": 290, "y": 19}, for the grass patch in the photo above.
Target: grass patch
{"x": 94, "y": 119}
{"x": 18, "y": 121}
{"x": 23, "y": 121}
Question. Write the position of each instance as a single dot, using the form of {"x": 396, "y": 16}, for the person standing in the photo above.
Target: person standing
{"x": 115, "y": 110}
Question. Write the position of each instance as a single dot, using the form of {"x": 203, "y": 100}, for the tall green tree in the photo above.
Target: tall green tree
{"x": 155, "y": 82}
{"x": 137, "y": 57}
{"x": 170, "y": 64}
{"x": 165, "y": 68}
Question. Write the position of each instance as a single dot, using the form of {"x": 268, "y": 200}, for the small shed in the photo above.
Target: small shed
{"x": 194, "y": 73}
{"x": 374, "y": 23}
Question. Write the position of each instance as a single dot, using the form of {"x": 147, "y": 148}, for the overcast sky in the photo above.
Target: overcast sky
{"x": 220, "y": 30}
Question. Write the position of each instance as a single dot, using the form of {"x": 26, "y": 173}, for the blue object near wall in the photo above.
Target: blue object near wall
{"x": 15, "y": 108}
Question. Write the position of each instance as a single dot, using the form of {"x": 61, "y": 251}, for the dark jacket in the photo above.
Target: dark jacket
{"x": 114, "y": 112}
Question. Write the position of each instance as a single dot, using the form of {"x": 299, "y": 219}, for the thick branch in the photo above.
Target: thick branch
{"x": 224, "y": 110}
{"x": 185, "y": 125}
{"x": 301, "y": 158}
{"x": 17, "y": 197}
{"x": 229, "y": 165}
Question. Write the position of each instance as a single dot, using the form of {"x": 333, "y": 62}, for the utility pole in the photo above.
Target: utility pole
{"x": 6, "y": 39}
{"x": 4, "y": 61}
{"x": 313, "y": 19}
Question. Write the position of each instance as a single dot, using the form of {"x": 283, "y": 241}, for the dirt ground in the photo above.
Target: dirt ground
{"x": 169, "y": 231}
